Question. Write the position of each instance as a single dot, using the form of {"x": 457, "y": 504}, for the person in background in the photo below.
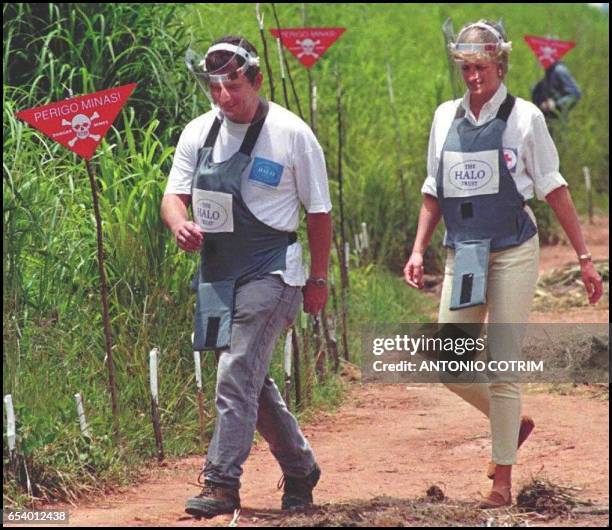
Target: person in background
{"x": 557, "y": 93}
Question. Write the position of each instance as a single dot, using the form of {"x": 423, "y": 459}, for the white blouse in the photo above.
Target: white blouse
{"x": 529, "y": 150}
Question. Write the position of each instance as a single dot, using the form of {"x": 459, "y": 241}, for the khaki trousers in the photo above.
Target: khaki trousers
{"x": 510, "y": 286}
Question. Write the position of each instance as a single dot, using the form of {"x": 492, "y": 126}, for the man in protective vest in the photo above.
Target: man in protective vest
{"x": 245, "y": 168}
{"x": 557, "y": 93}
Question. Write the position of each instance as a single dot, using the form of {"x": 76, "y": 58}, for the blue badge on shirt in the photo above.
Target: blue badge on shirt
{"x": 266, "y": 172}
{"x": 511, "y": 158}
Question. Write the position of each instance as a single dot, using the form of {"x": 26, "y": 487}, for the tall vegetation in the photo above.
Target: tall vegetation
{"x": 52, "y": 333}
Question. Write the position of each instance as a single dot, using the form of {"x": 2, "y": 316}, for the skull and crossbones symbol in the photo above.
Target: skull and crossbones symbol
{"x": 308, "y": 48}
{"x": 548, "y": 53}
{"x": 81, "y": 125}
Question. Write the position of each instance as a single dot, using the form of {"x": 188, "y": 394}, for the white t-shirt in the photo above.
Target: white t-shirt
{"x": 297, "y": 172}
{"x": 529, "y": 150}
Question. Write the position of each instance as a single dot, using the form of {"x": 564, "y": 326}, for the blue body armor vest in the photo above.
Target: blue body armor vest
{"x": 483, "y": 210}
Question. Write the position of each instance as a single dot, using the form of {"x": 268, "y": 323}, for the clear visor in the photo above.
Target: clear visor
{"x": 448, "y": 30}
{"x": 221, "y": 64}
{"x": 475, "y": 50}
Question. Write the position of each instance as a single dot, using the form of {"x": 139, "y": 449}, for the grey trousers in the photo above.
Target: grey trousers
{"x": 246, "y": 397}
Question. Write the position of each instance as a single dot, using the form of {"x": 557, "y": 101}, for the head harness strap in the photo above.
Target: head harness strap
{"x": 232, "y": 48}
{"x": 472, "y": 47}
{"x": 484, "y": 26}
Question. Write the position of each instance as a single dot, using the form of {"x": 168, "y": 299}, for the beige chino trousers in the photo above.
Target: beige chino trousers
{"x": 511, "y": 281}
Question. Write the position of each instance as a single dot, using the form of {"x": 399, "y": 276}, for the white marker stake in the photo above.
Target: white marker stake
{"x": 155, "y": 402}
{"x": 331, "y": 324}
{"x": 200, "y": 393}
{"x": 587, "y": 177}
{"x": 347, "y": 252}
{"x": 198, "y": 369}
{"x": 303, "y": 320}
{"x": 364, "y": 234}
{"x": 314, "y": 105}
{"x": 10, "y": 422}
{"x": 587, "y": 183}
{"x": 288, "y": 352}
{"x": 153, "y": 374}
{"x": 81, "y": 412}
{"x": 280, "y": 57}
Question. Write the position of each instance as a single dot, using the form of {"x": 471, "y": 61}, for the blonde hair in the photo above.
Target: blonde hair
{"x": 472, "y": 33}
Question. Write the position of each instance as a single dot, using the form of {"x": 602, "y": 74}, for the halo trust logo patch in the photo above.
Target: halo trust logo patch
{"x": 266, "y": 172}
{"x": 470, "y": 174}
{"x": 210, "y": 214}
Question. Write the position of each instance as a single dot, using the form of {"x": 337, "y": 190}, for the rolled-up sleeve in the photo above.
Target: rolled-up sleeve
{"x": 310, "y": 172}
{"x": 183, "y": 164}
{"x": 429, "y": 186}
{"x": 541, "y": 158}
{"x": 311, "y": 181}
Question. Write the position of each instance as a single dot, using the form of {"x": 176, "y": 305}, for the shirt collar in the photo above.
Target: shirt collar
{"x": 489, "y": 109}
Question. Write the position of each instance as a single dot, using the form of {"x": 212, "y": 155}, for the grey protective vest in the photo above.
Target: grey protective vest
{"x": 230, "y": 259}
{"x": 483, "y": 210}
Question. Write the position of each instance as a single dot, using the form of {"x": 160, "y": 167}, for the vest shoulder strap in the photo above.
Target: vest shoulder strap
{"x": 213, "y": 133}
{"x": 460, "y": 112}
{"x": 502, "y": 114}
{"x": 252, "y": 134}
{"x": 506, "y": 108}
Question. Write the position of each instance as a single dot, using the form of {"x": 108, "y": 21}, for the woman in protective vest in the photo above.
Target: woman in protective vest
{"x": 489, "y": 153}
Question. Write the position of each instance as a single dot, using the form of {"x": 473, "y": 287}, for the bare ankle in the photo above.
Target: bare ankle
{"x": 503, "y": 477}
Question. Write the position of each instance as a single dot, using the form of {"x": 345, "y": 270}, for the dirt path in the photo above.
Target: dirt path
{"x": 390, "y": 440}
{"x": 397, "y": 440}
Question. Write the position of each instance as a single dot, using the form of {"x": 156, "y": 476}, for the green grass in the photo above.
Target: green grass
{"x": 52, "y": 333}
{"x": 409, "y": 38}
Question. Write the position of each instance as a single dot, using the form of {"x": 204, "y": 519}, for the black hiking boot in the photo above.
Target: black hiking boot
{"x": 298, "y": 490}
{"x": 213, "y": 500}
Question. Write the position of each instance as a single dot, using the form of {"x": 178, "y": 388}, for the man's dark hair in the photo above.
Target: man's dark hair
{"x": 217, "y": 60}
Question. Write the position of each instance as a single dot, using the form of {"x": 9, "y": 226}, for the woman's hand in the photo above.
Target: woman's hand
{"x": 563, "y": 206}
{"x": 413, "y": 271}
{"x": 429, "y": 216}
{"x": 592, "y": 281}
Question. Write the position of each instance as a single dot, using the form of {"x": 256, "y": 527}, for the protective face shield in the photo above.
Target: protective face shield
{"x": 221, "y": 64}
{"x": 462, "y": 51}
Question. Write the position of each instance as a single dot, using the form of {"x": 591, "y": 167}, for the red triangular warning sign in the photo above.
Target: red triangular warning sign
{"x": 81, "y": 122}
{"x": 548, "y": 51}
{"x": 308, "y": 44}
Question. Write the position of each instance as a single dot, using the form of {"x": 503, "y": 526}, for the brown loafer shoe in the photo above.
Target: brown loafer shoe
{"x": 527, "y": 425}
{"x": 497, "y": 498}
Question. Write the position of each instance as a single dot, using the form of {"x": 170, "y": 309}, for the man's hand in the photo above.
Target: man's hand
{"x": 315, "y": 297}
{"x": 188, "y": 236}
{"x": 548, "y": 105}
{"x": 413, "y": 271}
